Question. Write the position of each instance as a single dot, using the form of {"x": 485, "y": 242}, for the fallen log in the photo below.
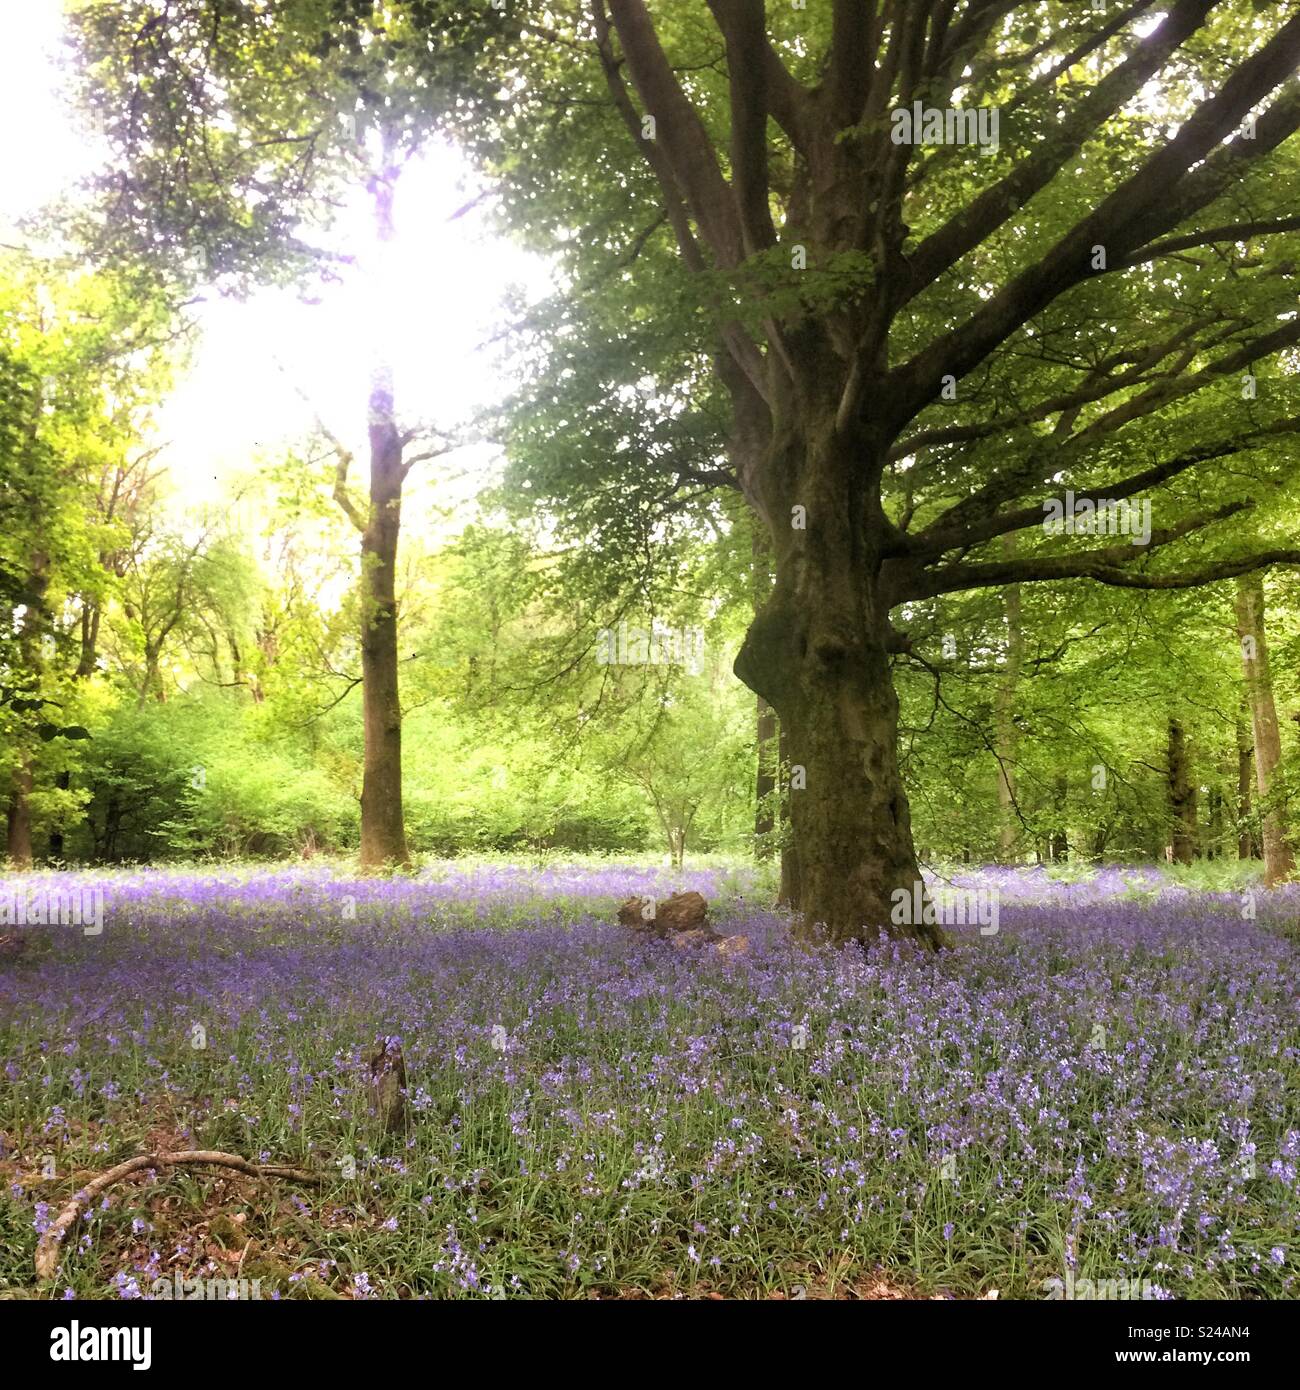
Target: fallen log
{"x": 679, "y": 912}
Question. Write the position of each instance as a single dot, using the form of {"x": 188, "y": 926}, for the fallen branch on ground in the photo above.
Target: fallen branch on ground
{"x": 47, "y": 1248}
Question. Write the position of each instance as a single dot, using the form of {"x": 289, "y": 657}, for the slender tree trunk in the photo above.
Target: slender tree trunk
{"x": 18, "y": 821}
{"x": 818, "y": 652}
{"x": 153, "y": 682}
{"x": 1245, "y": 781}
{"x": 1278, "y": 859}
{"x": 18, "y": 816}
{"x": 1182, "y": 796}
{"x": 767, "y": 752}
{"x": 89, "y": 652}
{"x": 1059, "y": 844}
{"x": 383, "y": 832}
{"x": 788, "y": 895}
{"x": 63, "y": 781}
{"x": 1005, "y": 737}
{"x": 677, "y": 841}
{"x": 383, "y": 828}
{"x": 1214, "y": 849}
{"x": 90, "y": 617}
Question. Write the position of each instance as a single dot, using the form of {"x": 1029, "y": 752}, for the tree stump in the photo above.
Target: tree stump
{"x": 388, "y": 1085}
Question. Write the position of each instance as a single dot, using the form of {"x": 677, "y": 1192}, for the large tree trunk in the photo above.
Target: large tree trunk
{"x": 788, "y": 894}
{"x": 1278, "y": 860}
{"x": 1182, "y": 796}
{"x": 818, "y": 652}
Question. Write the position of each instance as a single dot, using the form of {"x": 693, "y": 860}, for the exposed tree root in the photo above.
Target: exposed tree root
{"x": 47, "y": 1249}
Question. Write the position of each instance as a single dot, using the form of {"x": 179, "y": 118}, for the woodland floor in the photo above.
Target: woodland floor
{"x": 1107, "y": 1088}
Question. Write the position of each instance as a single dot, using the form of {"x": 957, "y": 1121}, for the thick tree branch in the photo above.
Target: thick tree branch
{"x": 1240, "y": 231}
{"x": 1098, "y": 385}
{"x": 1177, "y": 387}
{"x": 743, "y": 28}
{"x": 1094, "y": 41}
{"x": 687, "y": 147}
{"x": 1228, "y": 164}
{"x": 956, "y": 578}
{"x": 1058, "y": 454}
{"x": 854, "y": 30}
{"x": 674, "y": 206}
{"x": 742, "y": 348}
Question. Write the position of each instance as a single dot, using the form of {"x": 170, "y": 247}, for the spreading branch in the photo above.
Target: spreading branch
{"x": 953, "y": 579}
{"x": 935, "y": 540}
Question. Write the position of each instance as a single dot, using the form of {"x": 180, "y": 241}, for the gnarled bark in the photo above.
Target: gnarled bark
{"x": 818, "y": 653}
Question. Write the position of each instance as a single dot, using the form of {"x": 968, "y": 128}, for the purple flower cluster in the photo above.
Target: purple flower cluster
{"x": 1108, "y": 1087}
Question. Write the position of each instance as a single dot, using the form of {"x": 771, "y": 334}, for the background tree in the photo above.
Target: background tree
{"x": 1278, "y": 858}
{"x": 238, "y": 128}
{"x": 82, "y": 362}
